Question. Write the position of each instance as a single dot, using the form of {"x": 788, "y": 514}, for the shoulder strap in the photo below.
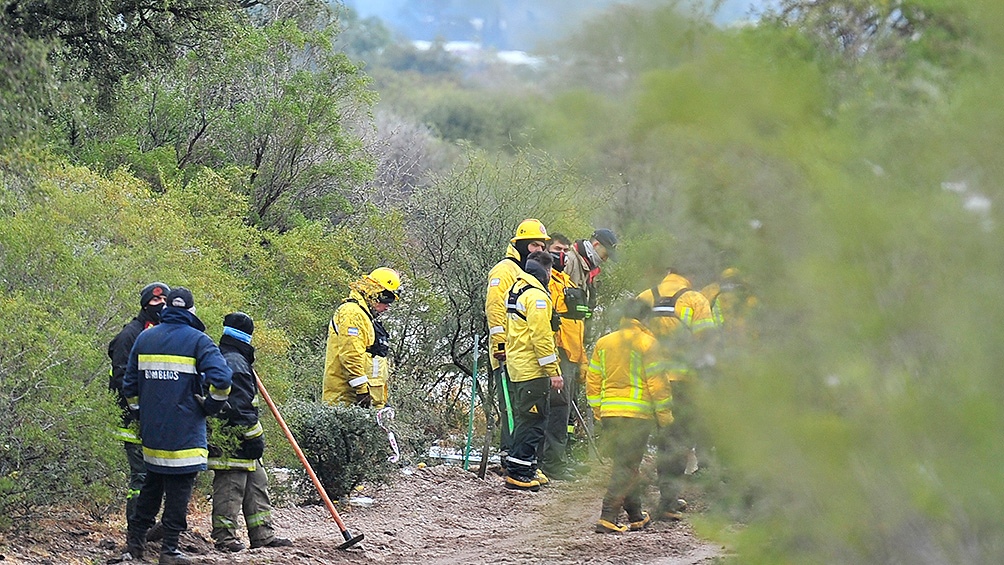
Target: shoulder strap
{"x": 714, "y": 299}
{"x": 511, "y": 303}
{"x": 334, "y": 328}
{"x": 666, "y": 307}
{"x": 361, "y": 307}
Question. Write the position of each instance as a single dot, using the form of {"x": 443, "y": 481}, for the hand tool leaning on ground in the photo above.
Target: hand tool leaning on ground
{"x": 589, "y": 435}
{"x": 474, "y": 389}
{"x": 350, "y": 540}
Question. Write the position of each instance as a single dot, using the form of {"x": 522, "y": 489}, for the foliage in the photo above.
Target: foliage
{"x": 890, "y": 29}
{"x": 76, "y": 247}
{"x": 26, "y": 86}
{"x": 343, "y": 445}
{"x": 51, "y": 401}
{"x": 362, "y": 38}
{"x": 434, "y": 61}
{"x": 483, "y": 119}
{"x": 278, "y": 103}
{"x": 107, "y": 40}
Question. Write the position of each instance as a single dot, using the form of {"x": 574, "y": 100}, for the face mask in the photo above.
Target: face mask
{"x": 154, "y": 310}
{"x": 559, "y": 260}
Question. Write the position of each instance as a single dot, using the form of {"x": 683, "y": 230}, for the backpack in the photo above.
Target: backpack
{"x": 665, "y": 306}
{"x": 576, "y": 304}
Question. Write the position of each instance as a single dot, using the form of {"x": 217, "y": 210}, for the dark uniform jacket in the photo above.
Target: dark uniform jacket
{"x": 168, "y": 367}
{"x": 241, "y": 418}
{"x": 118, "y": 352}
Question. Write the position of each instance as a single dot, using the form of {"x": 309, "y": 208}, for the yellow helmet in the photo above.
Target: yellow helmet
{"x": 386, "y": 278}
{"x": 530, "y": 229}
{"x": 730, "y": 273}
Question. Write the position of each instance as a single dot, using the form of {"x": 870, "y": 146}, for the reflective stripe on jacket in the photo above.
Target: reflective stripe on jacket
{"x": 571, "y": 333}
{"x": 170, "y": 364}
{"x": 729, "y": 308}
{"x": 692, "y": 309}
{"x": 530, "y": 349}
{"x": 128, "y": 434}
{"x": 500, "y": 280}
{"x": 228, "y": 464}
{"x": 347, "y": 365}
{"x": 627, "y": 376}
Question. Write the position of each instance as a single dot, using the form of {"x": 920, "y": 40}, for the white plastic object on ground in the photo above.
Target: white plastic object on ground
{"x": 386, "y": 414}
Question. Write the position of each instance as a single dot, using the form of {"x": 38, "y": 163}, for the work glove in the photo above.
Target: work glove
{"x": 500, "y": 355}
{"x": 212, "y": 407}
{"x": 251, "y": 448}
{"x": 364, "y": 400}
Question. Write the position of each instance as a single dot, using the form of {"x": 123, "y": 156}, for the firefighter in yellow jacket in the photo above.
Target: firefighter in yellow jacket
{"x": 532, "y": 363}
{"x": 355, "y": 338}
{"x": 678, "y": 312}
{"x": 530, "y": 237}
{"x": 730, "y": 300}
{"x": 630, "y": 394}
{"x": 675, "y": 304}
{"x": 571, "y": 307}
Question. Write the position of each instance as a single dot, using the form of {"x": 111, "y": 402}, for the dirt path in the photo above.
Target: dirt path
{"x": 435, "y": 516}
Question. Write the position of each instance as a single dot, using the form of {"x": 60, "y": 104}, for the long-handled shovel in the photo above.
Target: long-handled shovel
{"x": 350, "y": 540}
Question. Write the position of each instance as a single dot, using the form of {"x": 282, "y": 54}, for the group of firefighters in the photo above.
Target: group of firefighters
{"x": 170, "y": 375}
{"x": 537, "y": 302}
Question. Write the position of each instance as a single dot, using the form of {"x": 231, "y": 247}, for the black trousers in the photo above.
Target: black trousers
{"x": 673, "y": 445}
{"x": 530, "y": 405}
{"x": 553, "y": 454}
{"x": 175, "y": 490}
{"x": 137, "y": 475}
{"x": 625, "y": 441}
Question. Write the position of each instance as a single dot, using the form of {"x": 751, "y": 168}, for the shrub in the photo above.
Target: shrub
{"x": 343, "y": 444}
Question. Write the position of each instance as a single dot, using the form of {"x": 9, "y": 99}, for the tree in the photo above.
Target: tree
{"x": 458, "y": 227}
{"x": 108, "y": 39}
{"x": 278, "y": 103}
{"x": 26, "y": 86}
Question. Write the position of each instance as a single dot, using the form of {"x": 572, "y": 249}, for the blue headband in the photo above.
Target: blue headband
{"x": 237, "y": 334}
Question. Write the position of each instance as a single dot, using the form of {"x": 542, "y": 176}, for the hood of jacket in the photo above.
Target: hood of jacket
{"x": 174, "y": 315}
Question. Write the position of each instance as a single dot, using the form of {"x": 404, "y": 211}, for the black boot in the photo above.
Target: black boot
{"x": 169, "y": 555}
{"x": 156, "y": 533}
{"x": 134, "y": 545}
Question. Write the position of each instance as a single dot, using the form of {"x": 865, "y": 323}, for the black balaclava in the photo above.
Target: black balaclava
{"x": 559, "y": 260}
{"x": 522, "y": 247}
{"x": 149, "y": 291}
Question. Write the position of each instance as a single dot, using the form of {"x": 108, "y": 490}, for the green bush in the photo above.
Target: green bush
{"x": 343, "y": 444}
{"x": 54, "y": 448}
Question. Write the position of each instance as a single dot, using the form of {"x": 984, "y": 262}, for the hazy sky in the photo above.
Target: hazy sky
{"x": 403, "y": 16}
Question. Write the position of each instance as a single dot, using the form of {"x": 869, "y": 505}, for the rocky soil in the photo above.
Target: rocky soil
{"x": 431, "y": 516}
